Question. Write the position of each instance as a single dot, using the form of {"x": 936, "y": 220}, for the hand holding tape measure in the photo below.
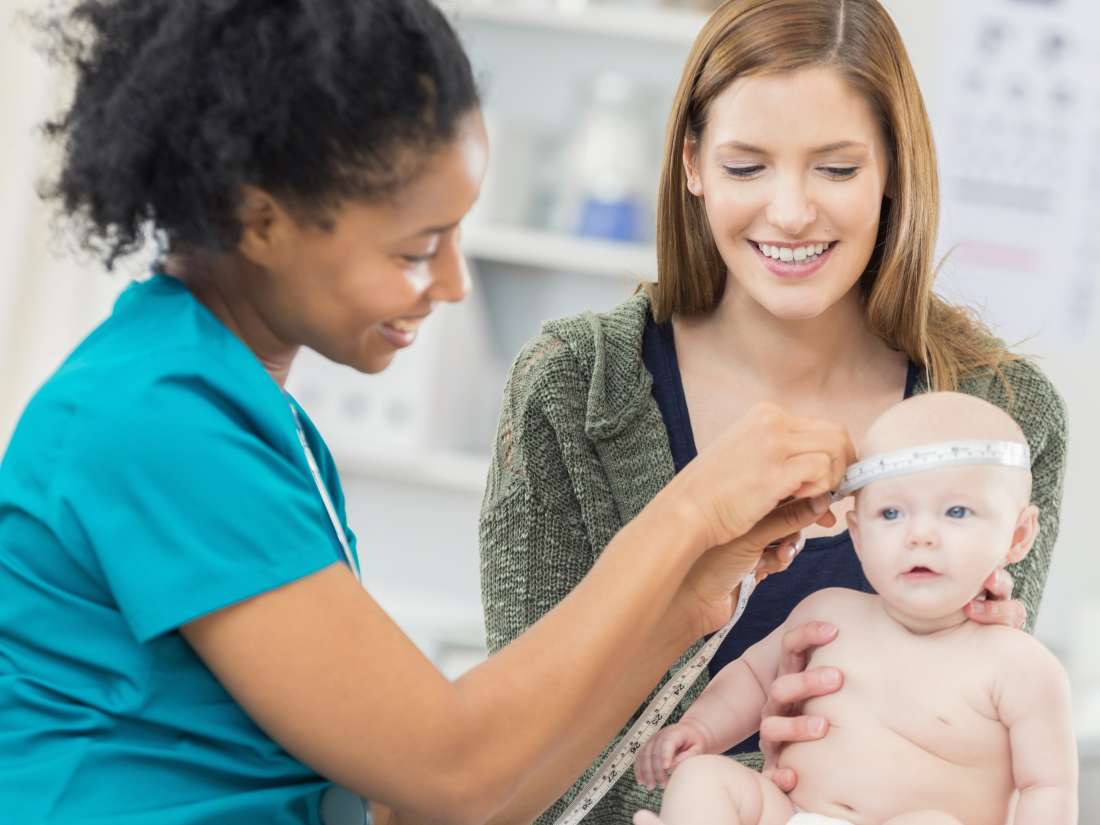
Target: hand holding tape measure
{"x": 805, "y": 458}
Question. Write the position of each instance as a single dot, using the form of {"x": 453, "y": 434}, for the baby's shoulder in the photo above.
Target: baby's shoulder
{"x": 833, "y": 605}
{"x": 1016, "y": 650}
{"x": 1019, "y": 668}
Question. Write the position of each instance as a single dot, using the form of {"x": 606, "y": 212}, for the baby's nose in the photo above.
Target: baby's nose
{"x": 921, "y": 536}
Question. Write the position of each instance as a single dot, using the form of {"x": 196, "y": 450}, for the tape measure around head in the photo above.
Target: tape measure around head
{"x": 619, "y": 761}
{"x": 932, "y": 457}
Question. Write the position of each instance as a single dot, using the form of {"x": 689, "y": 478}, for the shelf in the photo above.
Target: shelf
{"x": 661, "y": 25}
{"x": 565, "y": 253}
{"x": 445, "y": 469}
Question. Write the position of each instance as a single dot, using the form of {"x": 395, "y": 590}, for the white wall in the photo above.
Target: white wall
{"x": 48, "y": 301}
{"x": 1070, "y": 616}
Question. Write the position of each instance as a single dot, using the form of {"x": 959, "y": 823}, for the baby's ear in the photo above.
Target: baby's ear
{"x": 1023, "y": 537}
{"x": 853, "y": 528}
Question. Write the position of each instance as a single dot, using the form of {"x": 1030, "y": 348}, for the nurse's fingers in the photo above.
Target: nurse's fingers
{"x": 813, "y": 435}
{"x": 779, "y": 557}
{"x": 807, "y": 475}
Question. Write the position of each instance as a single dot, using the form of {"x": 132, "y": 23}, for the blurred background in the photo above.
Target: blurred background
{"x": 576, "y": 95}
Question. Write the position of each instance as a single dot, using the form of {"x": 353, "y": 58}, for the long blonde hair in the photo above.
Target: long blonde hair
{"x": 858, "y": 39}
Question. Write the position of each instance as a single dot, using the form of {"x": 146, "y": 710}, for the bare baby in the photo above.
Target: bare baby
{"x": 940, "y": 720}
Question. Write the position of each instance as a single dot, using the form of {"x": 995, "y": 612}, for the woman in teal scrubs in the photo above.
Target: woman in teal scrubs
{"x": 183, "y": 635}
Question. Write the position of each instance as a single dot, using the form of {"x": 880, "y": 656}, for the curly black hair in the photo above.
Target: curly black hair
{"x": 178, "y": 103}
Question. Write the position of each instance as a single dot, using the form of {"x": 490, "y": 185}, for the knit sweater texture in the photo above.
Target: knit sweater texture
{"x": 581, "y": 448}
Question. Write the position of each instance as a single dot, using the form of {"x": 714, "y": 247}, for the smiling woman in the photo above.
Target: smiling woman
{"x": 356, "y": 288}
{"x": 791, "y": 172}
{"x": 796, "y": 226}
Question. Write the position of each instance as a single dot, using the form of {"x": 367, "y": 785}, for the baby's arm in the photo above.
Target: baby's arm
{"x": 1033, "y": 702}
{"x": 728, "y": 711}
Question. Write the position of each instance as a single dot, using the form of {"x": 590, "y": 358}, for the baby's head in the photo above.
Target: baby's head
{"x": 928, "y": 540}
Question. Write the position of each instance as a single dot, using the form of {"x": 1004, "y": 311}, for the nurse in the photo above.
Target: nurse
{"x": 183, "y": 638}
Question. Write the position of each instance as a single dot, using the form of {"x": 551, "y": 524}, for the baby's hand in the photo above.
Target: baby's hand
{"x": 667, "y": 749}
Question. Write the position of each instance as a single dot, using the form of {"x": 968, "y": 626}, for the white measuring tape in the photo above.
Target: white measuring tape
{"x": 886, "y": 465}
{"x": 652, "y": 719}
{"x": 932, "y": 457}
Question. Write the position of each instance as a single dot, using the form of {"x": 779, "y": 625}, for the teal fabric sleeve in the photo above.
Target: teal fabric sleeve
{"x": 211, "y": 514}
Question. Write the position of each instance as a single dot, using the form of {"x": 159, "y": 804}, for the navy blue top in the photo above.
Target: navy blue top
{"x": 825, "y": 562}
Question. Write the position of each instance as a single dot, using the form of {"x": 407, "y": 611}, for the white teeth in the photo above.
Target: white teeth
{"x": 799, "y": 254}
{"x": 405, "y": 326}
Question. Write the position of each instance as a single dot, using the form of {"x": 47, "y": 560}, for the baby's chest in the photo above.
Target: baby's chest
{"x": 938, "y": 701}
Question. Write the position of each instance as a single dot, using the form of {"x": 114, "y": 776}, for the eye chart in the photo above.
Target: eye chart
{"x": 1018, "y": 134}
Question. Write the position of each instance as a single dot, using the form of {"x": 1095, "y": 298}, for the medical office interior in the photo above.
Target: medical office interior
{"x": 576, "y": 93}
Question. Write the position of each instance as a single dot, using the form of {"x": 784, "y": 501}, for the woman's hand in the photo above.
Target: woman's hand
{"x": 665, "y": 750}
{"x": 998, "y": 606}
{"x": 793, "y": 685}
{"x": 767, "y": 457}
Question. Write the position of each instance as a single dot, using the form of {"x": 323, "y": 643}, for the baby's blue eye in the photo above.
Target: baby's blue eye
{"x": 891, "y": 513}
{"x": 958, "y": 511}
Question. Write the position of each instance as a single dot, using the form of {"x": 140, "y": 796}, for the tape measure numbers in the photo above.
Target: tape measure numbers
{"x": 933, "y": 457}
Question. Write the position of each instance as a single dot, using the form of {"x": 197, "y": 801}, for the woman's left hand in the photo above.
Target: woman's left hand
{"x": 998, "y": 606}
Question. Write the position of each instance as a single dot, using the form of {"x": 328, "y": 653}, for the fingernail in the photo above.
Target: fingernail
{"x": 830, "y": 678}
{"x": 978, "y": 607}
{"x": 800, "y": 545}
{"x": 820, "y": 504}
{"x": 790, "y": 552}
{"x": 817, "y": 727}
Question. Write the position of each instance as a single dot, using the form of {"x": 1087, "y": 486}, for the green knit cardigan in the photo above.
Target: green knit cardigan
{"x": 581, "y": 448}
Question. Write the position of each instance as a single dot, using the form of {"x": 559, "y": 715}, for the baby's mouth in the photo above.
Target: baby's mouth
{"x": 920, "y": 572}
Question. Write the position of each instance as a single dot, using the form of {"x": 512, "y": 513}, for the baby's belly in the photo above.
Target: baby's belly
{"x": 866, "y": 774}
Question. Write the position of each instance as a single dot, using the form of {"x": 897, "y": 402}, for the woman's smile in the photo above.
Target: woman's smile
{"x": 791, "y": 261}
{"x": 401, "y": 332}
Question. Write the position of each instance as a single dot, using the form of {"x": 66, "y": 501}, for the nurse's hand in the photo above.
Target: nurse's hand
{"x": 711, "y": 587}
{"x": 997, "y": 606}
{"x": 758, "y": 484}
{"x": 793, "y": 685}
{"x": 765, "y": 458}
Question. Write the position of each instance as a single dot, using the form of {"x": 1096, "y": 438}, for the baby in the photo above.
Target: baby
{"x": 940, "y": 720}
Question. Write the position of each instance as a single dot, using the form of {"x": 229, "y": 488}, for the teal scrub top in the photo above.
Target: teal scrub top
{"x": 156, "y": 477}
